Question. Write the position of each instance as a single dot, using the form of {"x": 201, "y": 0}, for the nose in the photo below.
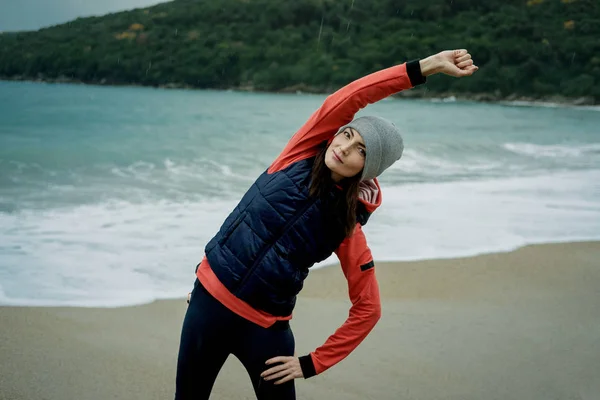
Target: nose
{"x": 345, "y": 148}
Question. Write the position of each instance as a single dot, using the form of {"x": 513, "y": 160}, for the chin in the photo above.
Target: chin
{"x": 339, "y": 172}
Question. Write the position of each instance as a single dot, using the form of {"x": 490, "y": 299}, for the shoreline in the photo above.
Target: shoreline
{"x": 335, "y": 266}
{"x": 518, "y": 325}
{"x": 417, "y": 93}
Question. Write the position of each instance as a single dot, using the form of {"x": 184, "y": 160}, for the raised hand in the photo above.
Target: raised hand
{"x": 457, "y": 63}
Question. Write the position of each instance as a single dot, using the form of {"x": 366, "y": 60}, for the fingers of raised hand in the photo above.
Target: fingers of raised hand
{"x": 464, "y": 64}
{"x": 462, "y": 59}
{"x": 459, "y": 53}
{"x": 467, "y": 71}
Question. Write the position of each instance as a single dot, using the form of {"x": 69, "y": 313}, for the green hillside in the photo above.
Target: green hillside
{"x": 535, "y": 48}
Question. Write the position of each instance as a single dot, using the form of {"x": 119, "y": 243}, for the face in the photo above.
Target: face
{"x": 345, "y": 156}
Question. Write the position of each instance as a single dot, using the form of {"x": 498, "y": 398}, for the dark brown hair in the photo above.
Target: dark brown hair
{"x": 322, "y": 183}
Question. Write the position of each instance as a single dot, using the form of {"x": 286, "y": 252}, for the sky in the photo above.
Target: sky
{"x": 19, "y": 15}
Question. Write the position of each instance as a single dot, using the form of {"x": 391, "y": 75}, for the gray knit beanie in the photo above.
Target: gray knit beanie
{"x": 383, "y": 141}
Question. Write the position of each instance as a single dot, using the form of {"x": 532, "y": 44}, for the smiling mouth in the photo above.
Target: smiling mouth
{"x": 337, "y": 157}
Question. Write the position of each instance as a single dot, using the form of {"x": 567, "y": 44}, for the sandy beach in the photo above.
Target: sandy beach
{"x": 522, "y": 325}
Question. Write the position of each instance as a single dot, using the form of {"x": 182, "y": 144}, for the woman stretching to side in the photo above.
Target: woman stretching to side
{"x": 311, "y": 202}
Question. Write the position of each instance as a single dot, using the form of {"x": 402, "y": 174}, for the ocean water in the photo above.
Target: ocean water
{"x": 108, "y": 195}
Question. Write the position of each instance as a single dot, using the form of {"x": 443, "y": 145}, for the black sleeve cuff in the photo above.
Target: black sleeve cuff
{"x": 308, "y": 368}
{"x": 413, "y": 69}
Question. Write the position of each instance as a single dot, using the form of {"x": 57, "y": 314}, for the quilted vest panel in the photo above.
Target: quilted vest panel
{"x": 265, "y": 247}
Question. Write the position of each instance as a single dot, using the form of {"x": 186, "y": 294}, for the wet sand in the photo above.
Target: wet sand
{"x": 517, "y": 325}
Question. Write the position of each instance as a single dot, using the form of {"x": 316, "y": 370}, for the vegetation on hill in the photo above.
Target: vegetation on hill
{"x": 534, "y": 48}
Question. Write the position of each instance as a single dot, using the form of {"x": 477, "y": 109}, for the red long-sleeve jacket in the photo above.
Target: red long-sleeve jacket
{"x": 354, "y": 254}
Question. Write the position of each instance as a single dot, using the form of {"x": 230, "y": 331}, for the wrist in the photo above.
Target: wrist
{"x": 413, "y": 69}
{"x": 429, "y": 65}
{"x": 307, "y": 366}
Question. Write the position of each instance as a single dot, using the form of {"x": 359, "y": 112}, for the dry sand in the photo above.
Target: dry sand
{"x": 521, "y": 325}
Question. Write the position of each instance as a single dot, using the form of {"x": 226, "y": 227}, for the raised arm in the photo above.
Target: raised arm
{"x": 340, "y": 107}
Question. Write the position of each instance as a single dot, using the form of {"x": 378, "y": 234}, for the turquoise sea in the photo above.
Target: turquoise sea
{"x": 109, "y": 194}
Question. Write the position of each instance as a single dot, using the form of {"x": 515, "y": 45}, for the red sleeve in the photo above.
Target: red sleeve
{"x": 339, "y": 109}
{"x": 357, "y": 264}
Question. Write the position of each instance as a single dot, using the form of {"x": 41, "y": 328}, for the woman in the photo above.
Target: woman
{"x": 312, "y": 201}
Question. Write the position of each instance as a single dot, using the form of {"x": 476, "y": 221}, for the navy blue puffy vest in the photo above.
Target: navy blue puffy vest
{"x": 265, "y": 247}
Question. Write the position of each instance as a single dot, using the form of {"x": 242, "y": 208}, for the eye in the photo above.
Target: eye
{"x": 347, "y": 134}
{"x": 362, "y": 151}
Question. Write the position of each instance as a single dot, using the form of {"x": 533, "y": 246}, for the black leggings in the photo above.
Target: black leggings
{"x": 211, "y": 332}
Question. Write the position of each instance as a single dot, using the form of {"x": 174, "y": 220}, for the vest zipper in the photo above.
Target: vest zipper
{"x": 267, "y": 248}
